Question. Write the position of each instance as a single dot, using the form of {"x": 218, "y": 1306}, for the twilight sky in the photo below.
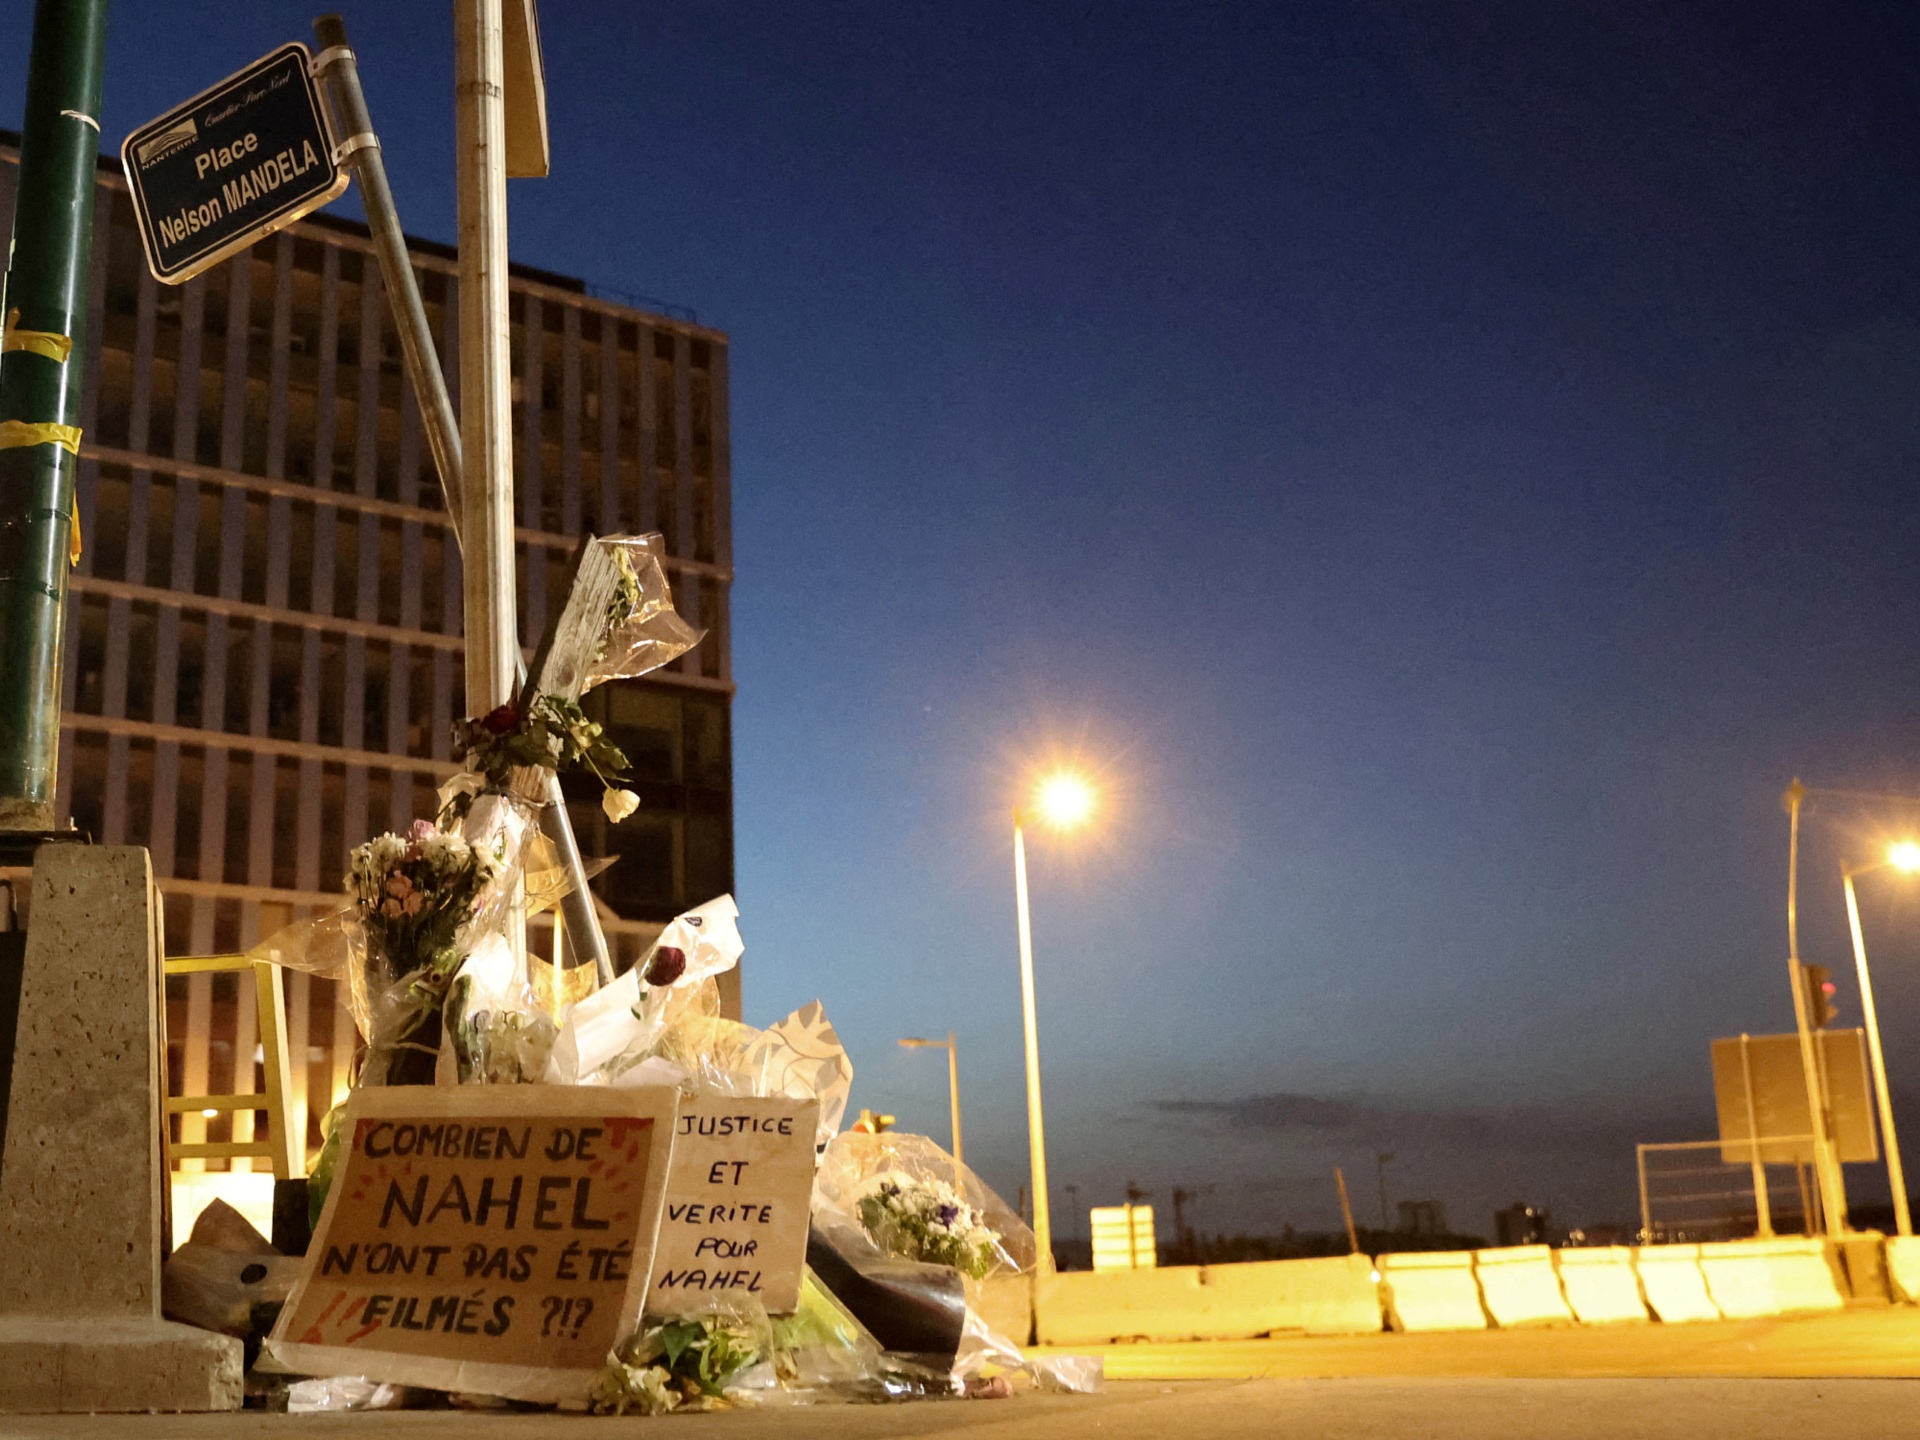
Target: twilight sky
{"x": 1446, "y": 465}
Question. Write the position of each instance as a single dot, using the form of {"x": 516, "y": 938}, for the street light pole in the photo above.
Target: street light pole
{"x": 953, "y": 1081}
{"x": 1036, "y": 1121}
{"x": 1896, "y": 1177}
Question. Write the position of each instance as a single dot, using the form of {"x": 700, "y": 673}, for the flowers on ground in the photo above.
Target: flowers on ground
{"x": 929, "y": 1220}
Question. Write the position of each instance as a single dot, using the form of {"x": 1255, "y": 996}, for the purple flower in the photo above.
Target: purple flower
{"x": 947, "y": 1214}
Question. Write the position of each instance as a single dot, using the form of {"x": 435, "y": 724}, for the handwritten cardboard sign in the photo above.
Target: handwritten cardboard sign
{"x": 493, "y": 1238}
{"x": 738, "y": 1194}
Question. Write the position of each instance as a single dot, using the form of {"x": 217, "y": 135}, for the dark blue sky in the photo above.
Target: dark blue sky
{"x": 1448, "y": 466}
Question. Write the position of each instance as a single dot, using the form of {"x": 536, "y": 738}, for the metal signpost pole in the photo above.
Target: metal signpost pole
{"x": 490, "y": 610}
{"x": 1762, "y": 1202}
{"x": 486, "y": 415}
{"x": 360, "y": 150}
{"x": 42, "y": 367}
{"x": 1833, "y": 1195}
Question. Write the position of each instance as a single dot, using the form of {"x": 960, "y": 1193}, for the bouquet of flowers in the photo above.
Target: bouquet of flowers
{"x": 683, "y": 1364}
{"x": 551, "y": 733}
{"x": 413, "y": 895}
{"x": 930, "y": 1221}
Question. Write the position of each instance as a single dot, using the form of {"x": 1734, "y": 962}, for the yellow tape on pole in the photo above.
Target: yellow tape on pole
{"x": 47, "y": 343}
{"x": 18, "y": 434}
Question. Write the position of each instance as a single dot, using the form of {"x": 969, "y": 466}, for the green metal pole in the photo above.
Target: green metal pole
{"x": 41, "y": 370}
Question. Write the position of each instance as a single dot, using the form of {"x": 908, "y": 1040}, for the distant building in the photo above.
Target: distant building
{"x": 263, "y": 637}
{"x": 1422, "y": 1217}
{"x": 1522, "y": 1225}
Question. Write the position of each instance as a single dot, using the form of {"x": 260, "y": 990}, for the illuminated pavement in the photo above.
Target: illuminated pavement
{"x": 1376, "y": 1409}
{"x": 1881, "y": 1342}
{"x": 1740, "y": 1379}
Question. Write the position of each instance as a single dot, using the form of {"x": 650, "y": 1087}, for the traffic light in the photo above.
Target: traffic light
{"x": 1821, "y": 1011}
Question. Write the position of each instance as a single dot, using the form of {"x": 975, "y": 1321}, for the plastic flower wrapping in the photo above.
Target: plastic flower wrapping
{"x": 930, "y": 1221}
{"x": 906, "y": 1197}
{"x": 644, "y": 631}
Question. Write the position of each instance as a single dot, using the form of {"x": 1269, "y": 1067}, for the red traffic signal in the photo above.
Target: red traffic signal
{"x": 1821, "y": 1010}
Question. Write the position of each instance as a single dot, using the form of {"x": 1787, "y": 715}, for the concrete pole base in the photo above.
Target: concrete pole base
{"x": 80, "y": 1366}
{"x": 81, "y": 1177}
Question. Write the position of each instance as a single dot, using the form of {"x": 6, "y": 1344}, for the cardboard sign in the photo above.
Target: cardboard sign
{"x": 494, "y": 1238}
{"x": 738, "y": 1196}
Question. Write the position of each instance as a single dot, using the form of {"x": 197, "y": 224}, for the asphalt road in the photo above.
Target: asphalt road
{"x": 1373, "y": 1409}
{"x": 1791, "y": 1378}
{"x": 1880, "y": 1342}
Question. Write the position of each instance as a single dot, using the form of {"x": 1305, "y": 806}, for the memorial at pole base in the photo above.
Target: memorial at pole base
{"x": 593, "y": 1197}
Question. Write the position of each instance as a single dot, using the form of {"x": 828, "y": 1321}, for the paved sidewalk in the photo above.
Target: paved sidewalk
{"x": 1377, "y": 1409}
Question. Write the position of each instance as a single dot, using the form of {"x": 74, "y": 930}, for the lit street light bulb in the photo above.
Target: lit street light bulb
{"x": 1065, "y": 800}
{"x": 1904, "y": 856}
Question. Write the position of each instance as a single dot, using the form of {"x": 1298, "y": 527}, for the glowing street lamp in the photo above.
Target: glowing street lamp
{"x": 1904, "y": 857}
{"x": 1063, "y": 801}
{"x": 953, "y": 1080}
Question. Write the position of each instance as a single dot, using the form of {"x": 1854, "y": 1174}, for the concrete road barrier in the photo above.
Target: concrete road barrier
{"x": 1434, "y": 1290}
{"x": 1672, "y": 1281}
{"x": 1520, "y": 1286}
{"x": 1750, "y": 1278}
{"x": 1600, "y": 1284}
{"x": 1903, "y": 1267}
{"x": 1334, "y": 1296}
{"x": 1091, "y": 1307}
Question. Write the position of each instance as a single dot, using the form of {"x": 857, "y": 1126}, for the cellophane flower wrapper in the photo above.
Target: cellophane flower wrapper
{"x": 687, "y": 1363}
{"x": 822, "y": 1354}
{"x": 613, "y": 1031}
{"x": 644, "y": 631}
{"x": 800, "y": 1058}
{"x": 882, "y": 1171}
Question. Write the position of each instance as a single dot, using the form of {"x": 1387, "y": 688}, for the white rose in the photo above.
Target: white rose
{"x": 619, "y": 804}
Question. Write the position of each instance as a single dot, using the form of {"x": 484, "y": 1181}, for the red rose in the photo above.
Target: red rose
{"x": 501, "y": 720}
{"x": 669, "y": 963}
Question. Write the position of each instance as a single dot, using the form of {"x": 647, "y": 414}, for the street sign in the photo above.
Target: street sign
{"x": 232, "y": 165}
{"x": 1779, "y": 1088}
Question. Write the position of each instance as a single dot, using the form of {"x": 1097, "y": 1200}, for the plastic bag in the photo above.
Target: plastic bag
{"x": 227, "y": 1277}
{"x": 644, "y": 631}
{"x": 906, "y": 1196}
{"x": 343, "y": 1392}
